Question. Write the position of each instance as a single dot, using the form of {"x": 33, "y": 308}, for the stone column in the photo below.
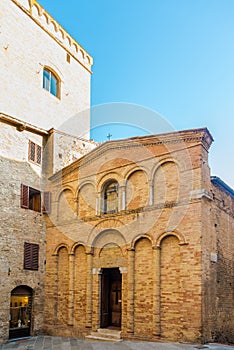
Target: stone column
{"x": 71, "y": 291}
{"x": 124, "y": 298}
{"x": 151, "y": 192}
{"x": 131, "y": 288}
{"x": 89, "y": 288}
{"x": 156, "y": 292}
{"x": 97, "y": 205}
{"x": 76, "y": 207}
{"x": 56, "y": 289}
{"x": 122, "y": 197}
{"x": 96, "y": 309}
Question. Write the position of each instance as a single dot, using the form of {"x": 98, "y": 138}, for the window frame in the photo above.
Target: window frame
{"x": 37, "y": 152}
{"x": 30, "y": 200}
{"x": 47, "y": 82}
{"x": 107, "y": 190}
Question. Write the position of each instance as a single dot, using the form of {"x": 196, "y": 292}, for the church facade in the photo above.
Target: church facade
{"x": 137, "y": 241}
{"x": 132, "y": 238}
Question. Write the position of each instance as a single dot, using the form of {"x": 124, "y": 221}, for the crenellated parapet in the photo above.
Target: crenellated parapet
{"x": 55, "y": 30}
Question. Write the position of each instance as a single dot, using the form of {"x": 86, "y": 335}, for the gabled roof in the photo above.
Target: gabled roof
{"x": 200, "y": 135}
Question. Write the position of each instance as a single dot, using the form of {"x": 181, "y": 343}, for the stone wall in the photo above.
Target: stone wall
{"x": 18, "y": 226}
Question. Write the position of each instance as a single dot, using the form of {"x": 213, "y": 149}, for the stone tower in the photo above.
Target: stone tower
{"x": 45, "y": 72}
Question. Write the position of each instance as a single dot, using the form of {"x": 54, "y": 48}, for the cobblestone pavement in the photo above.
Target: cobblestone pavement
{"x": 61, "y": 343}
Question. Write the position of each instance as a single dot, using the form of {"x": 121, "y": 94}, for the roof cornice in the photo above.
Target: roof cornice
{"x": 44, "y": 20}
{"x": 219, "y": 182}
{"x": 22, "y": 125}
{"x": 201, "y": 136}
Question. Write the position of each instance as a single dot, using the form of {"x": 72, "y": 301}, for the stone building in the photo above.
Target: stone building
{"x": 140, "y": 242}
{"x": 45, "y": 81}
{"x": 131, "y": 237}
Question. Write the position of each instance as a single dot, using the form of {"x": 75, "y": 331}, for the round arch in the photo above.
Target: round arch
{"x": 129, "y": 172}
{"x": 76, "y": 245}
{"x": 67, "y": 187}
{"x": 81, "y": 185}
{"x": 106, "y": 236}
{"x": 37, "y": 8}
{"x": 178, "y": 235}
{"x": 162, "y": 162}
{"x": 20, "y": 312}
{"x": 60, "y": 246}
{"x": 138, "y": 237}
{"x": 113, "y": 176}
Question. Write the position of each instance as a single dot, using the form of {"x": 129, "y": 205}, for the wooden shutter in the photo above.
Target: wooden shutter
{"x": 35, "y": 256}
{"x": 47, "y": 203}
{"x": 31, "y": 151}
{"x": 31, "y": 256}
{"x": 38, "y": 158}
{"x": 24, "y": 196}
{"x": 27, "y": 255}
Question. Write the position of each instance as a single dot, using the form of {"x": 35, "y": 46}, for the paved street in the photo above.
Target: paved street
{"x": 60, "y": 343}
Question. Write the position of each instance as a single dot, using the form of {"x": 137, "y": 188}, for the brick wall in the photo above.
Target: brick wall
{"x": 218, "y": 278}
{"x": 156, "y": 244}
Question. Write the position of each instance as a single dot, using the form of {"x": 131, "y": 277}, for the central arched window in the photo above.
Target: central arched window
{"x": 110, "y": 197}
{"x": 51, "y": 83}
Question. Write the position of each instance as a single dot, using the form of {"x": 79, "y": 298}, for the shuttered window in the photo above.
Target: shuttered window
{"x": 31, "y": 256}
{"x": 34, "y": 152}
{"x": 24, "y": 196}
{"x": 31, "y": 199}
{"x": 46, "y": 202}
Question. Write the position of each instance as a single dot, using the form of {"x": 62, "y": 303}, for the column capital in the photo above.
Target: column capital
{"x": 123, "y": 270}
{"x": 156, "y": 247}
{"x": 131, "y": 249}
{"x": 89, "y": 251}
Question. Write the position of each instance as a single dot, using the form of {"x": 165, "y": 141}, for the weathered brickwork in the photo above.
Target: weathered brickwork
{"x": 218, "y": 259}
{"x": 160, "y": 239}
{"x": 158, "y": 264}
{"x": 143, "y": 293}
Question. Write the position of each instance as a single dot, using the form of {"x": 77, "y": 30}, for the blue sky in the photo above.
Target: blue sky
{"x": 175, "y": 57}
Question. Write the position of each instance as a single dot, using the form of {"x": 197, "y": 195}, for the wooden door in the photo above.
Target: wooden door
{"x": 105, "y": 292}
{"x": 111, "y": 298}
{"x": 115, "y": 303}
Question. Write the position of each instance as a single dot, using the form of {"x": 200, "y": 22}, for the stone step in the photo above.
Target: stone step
{"x": 105, "y": 334}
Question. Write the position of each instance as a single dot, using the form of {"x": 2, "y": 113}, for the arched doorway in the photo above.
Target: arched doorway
{"x": 111, "y": 303}
{"x": 20, "y": 312}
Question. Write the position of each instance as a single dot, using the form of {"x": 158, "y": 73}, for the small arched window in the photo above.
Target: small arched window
{"x": 110, "y": 197}
{"x": 51, "y": 83}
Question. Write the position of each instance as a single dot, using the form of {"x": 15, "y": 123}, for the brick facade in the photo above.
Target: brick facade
{"x": 162, "y": 239}
{"x": 139, "y": 236}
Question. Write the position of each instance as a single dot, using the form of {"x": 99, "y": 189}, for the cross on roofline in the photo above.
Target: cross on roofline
{"x": 109, "y": 136}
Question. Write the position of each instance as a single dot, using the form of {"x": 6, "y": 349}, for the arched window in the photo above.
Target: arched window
{"x": 51, "y": 83}
{"x": 110, "y": 197}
